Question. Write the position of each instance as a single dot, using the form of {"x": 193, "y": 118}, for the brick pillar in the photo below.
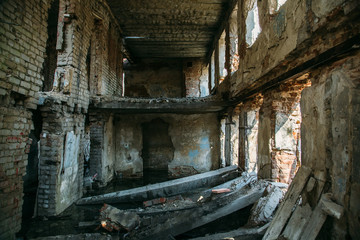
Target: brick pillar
{"x": 61, "y": 158}
{"x": 279, "y": 132}
{"x": 102, "y": 147}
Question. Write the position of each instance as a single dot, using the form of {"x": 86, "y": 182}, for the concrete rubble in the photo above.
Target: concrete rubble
{"x": 114, "y": 219}
{"x": 263, "y": 211}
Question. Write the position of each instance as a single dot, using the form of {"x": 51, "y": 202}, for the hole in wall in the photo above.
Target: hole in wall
{"x": 157, "y": 152}
{"x": 253, "y": 28}
{"x": 50, "y": 61}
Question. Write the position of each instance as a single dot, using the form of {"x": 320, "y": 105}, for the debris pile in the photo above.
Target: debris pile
{"x": 305, "y": 208}
{"x": 114, "y": 219}
{"x": 170, "y": 209}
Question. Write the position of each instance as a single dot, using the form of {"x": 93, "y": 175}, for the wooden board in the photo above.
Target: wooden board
{"x": 285, "y": 209}
{"x": 314, "y": 224}
{"x": 297, "y": 222}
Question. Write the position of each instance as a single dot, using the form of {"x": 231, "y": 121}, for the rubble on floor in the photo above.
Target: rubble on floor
{"x": 172, "y": 216}
{"x": 84, "y": 236}
{"x": 114, "y": 219}
{"x": 241, "y": 233}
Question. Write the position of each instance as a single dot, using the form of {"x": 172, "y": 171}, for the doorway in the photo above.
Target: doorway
{"x": 157, "y": 152}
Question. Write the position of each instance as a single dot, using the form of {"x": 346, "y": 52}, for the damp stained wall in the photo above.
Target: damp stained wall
{"x": 154, "y": 78}
{"x": 330, "y": 136}
{"x": 194, "y": 139}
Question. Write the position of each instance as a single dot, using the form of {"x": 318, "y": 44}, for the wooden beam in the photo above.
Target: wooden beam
{"x": 173, "y": 187}
{"x": 284, "y": 211}
{"x": 190, "y": 219}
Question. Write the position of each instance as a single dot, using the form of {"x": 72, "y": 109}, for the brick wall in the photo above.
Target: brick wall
{"x": 88, "y": 40}
{"x": 22, "y": 47}
{"x": 15, "y": 125}
{"x": 279, "y": 131}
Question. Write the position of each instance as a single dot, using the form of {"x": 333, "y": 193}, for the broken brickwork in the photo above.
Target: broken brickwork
{"x": 279, "y": 131}
{"x": 21, "y": 62}
{"x": 61, "y": 158}
{"x": 23, "y": 71}
{"x": 85, "y": 65}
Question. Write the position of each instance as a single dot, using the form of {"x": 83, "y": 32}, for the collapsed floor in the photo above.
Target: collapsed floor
{"x": 197, "y": 208}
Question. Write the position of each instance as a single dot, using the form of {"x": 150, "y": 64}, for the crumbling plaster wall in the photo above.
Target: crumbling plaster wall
{"x": 330, "y": 136}
{"x": 194, "y": 137}
{"x": 298, "y": 31}
{"x": 102, "y": 147}
{"x": 61, "y": 158}
{"x": 196, "y": 77}
{"x": 154, "y": 78}
{"x": 279, "y": 131}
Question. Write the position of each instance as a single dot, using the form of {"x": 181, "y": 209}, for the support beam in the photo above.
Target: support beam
{"x": 169, "y": 188}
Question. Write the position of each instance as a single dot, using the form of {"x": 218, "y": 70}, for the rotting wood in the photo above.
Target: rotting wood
{"x": 187, "y": 220}
{"x": 331, "y": 208}
{"x": 169, "y": 188}
{"x": 235, "y": 233}
{"x": 197, "y": 197}
{"x": 314, "y": 224}
{"x": 325, "y": 207}
{"x": 284, "y": 211}
{"x": 297, "y": 222}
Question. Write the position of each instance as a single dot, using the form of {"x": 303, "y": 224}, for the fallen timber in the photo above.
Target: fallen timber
{"x": 197, "y": 197}
{"x": 243, "y": 233}
{"x": 169, "y": 188}
{"x": 175, "y": 223}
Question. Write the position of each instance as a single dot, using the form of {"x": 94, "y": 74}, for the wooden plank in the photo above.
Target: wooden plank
{"x": 187, "y": 220}
{"x": 297, "y": 222}
{"x": 314, "y": 224}
{"x": 245, "y": 232}
{"x": 285, "y": 209}
{"x": 331, "y": 208}
{"x": 163, "y": 189}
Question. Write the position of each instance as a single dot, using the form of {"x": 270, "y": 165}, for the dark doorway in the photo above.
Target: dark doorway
{"x": 157, "y": 152}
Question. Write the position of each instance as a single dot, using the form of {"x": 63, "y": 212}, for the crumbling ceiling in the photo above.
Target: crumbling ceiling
{"x": 170, "y": 29}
